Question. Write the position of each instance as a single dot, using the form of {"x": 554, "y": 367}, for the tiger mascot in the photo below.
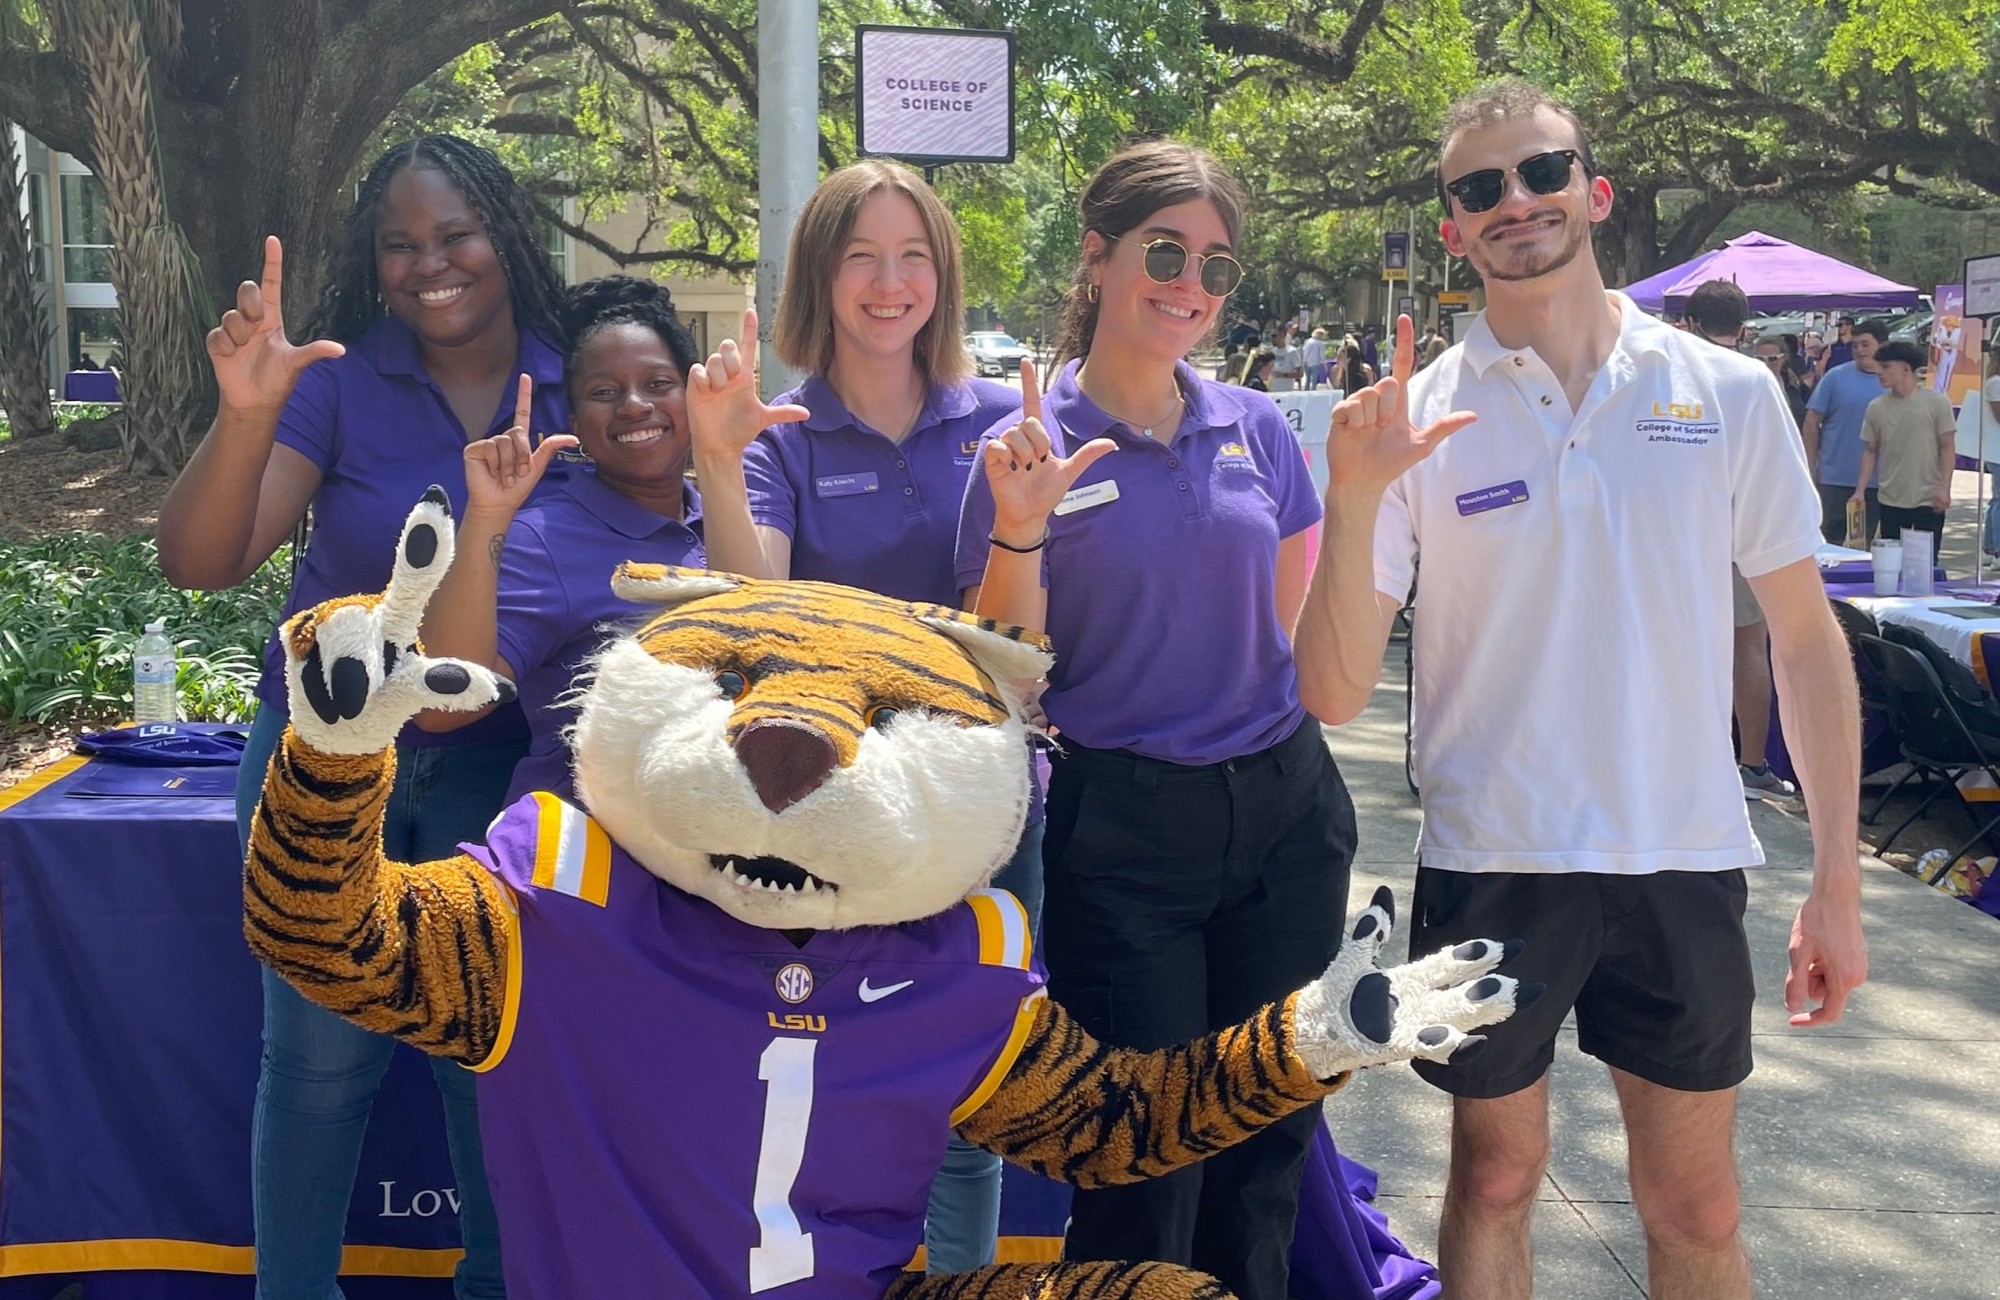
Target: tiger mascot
{"x": 726, "y": 1012}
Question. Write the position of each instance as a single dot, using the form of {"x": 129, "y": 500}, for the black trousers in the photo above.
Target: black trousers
{"x": 1178, "y": 901}
{"x": 1896, "y": 518}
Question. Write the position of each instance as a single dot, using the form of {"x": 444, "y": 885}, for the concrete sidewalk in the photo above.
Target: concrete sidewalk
{"x": 1870, "y": 1150}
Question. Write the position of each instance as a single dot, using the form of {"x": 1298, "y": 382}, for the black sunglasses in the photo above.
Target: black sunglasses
{"x": 1165, "y": 259}
{"x": 1545, "y": 173}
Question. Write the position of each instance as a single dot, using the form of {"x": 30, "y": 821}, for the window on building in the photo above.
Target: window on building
{"x": 38, "y": 228}
{"x": 557, "y": 243}
{"x": 93, "y": 332}
{"x": 86, "y": 230}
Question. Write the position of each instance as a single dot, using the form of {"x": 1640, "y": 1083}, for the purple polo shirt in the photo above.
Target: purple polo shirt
{"x": 380, "y": 431}
{"x": 862, "y": 510}
{"x": 1162, "y": 589}
{"x": 556, "y": 598}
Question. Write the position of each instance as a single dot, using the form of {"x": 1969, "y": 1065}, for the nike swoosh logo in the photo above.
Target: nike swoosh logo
{"x": 876, "y": 995}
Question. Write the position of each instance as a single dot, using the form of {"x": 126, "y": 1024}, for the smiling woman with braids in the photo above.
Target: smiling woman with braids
{"x": 439, "y": 298}
{"x": 530, "y": 594}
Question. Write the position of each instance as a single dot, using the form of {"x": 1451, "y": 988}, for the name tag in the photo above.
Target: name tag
{"x": 1084, "y": 498}
{"x": 1493, "y": 498}
{"x": 846, "y": 485}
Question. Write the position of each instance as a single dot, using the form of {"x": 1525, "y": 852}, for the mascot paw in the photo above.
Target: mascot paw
{"x": 353, "y": 668}
{"x": 1357, "y": 1015}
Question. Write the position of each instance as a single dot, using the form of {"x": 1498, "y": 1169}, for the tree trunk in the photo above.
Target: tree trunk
{"x": 259, "y": 112}
{"x": 24, "y": 330}
{"x": 167, "y": 383}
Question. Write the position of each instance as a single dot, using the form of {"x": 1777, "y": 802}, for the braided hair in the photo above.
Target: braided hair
{"x": 352, "y": 301}
{"x": 621, "y": 300}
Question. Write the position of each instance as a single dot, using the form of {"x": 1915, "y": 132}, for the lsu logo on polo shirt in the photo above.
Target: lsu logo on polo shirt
{"x": 968, "y": 451}
{"x": 1680, "y": 423}
{"x": 1234, "y": 455}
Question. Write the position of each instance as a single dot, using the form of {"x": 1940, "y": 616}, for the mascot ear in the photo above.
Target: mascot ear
{"x": 668, "y": 585}
{"x": 1017, "y": 660}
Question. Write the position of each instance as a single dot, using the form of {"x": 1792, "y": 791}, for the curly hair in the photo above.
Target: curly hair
{"x": 352, "y": 301}
{"x": 620, "y": 300}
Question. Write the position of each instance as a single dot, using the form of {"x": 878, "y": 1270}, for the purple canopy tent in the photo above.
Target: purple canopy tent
{"x": 1776, "y": 276}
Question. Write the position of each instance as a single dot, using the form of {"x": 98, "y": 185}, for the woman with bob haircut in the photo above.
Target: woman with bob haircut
{"x": 1153, "y": 523}
{"x": 857, "y": 475}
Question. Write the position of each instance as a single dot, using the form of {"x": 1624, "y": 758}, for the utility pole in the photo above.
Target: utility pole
{"x": 787, "y": 156}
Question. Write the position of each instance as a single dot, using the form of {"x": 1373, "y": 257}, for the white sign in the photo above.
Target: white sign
{"x": 1982, "y": 287}
{"x": 934, "y": 94}
{"x": 1310, "y": 416}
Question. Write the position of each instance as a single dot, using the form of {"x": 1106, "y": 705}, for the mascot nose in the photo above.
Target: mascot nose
{"x": 786, "y": 760}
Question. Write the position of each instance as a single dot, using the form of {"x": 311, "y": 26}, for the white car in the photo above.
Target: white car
{"x": 994, "y": 353}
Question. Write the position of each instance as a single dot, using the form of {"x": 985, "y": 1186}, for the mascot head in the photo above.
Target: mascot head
{"x": 807, "y": 756}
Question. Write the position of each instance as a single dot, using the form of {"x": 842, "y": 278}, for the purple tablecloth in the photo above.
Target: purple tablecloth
{"x": 129, "y": 1025}
{"x": 90, "y": 386}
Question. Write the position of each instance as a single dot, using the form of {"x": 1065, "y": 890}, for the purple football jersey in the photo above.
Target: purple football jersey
{"x": 684, "y": 1105}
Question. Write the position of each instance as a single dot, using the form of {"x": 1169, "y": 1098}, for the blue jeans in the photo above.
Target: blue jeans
{"x": 320, "y": 1073}
{"x": 962, "y": 1222}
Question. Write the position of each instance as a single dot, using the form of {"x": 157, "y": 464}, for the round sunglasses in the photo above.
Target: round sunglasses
{"x": 1544, "y": 173}
{"x": 1165, "y": 259}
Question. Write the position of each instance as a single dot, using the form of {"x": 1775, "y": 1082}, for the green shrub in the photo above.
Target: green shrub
{"x": 66, "y": 413}
{"x": 73, "y": 604}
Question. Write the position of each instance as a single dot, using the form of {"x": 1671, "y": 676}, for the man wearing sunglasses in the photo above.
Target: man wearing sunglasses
{"x": 1572, "y": 692}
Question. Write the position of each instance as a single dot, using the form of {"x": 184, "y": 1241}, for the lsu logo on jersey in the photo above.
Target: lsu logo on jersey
{"x": 1690, "y": 411}
{"x": 1234, "y": 455}
{"x": 796, "y": 1021}
{"x": 968, "y": 451}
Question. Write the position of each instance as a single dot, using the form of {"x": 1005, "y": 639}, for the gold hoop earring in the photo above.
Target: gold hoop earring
{"x": 1090, "y": 292}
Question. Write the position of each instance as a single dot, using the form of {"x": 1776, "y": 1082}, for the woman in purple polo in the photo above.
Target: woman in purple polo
{"x": 529, "y": 592}
{"x": 440, "y": 297}
{"x": 857, "y": 476}
{"x": 1199, "y": 837}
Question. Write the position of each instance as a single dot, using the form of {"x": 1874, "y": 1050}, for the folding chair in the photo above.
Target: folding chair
{"x": 1931, "y": 733}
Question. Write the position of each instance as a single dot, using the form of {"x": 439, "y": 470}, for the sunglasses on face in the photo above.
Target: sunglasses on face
{"x": 1545, "y": 173}
{"x": 1219, "y": 273}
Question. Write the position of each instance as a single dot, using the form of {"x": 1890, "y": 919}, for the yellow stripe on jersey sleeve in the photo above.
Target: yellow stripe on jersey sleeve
{"x": 510, "y": 1010}
{"x": 1017, "y": 1038}
{"x": 572, "y": 852}
{"x": 1003, "y": 928}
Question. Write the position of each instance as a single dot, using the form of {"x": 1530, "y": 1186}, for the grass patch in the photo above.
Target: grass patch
{"x": 73, "y": 604}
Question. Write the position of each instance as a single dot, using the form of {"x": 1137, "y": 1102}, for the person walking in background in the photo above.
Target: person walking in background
{"x": 1797, "y": 392}
{"x": 1716, "y": 311}
{"x": 441, "y": 298}
{"x": 1289, "y": 362}
{"x": 1153, "y": 524}
{"x": 1909, "y": 433}
{"x": 1574, "y": 755}
{"x": 1315, "y": 357}
{"x": 1257, "y": 375}
{"x": 857, "y": 475}
{"x": 1832, "y": 430}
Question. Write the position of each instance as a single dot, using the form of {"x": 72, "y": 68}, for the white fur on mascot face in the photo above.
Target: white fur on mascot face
{"x": 807, "y": 756}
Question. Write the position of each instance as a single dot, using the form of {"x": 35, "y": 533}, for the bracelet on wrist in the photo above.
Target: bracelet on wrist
{"x": 1040, "y": 542}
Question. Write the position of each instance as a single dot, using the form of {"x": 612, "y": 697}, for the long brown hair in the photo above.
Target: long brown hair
{"x": 1135, "y": 183}
{"x": 803, "y": 334}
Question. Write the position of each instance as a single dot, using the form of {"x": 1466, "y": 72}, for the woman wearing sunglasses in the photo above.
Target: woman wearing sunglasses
{"x": 1199, "y": 837}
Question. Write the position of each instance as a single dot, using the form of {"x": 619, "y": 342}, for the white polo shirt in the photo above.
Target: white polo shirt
{"x": 1574, "y": 623}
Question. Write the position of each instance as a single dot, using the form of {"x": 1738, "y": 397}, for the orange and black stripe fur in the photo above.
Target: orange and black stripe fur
{"x": 420, "y": 952}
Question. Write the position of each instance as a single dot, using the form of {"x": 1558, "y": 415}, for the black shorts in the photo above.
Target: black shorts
{"x": 1656, "y": 967}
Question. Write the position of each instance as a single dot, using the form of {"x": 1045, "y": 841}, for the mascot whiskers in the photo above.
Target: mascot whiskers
{"x": 725, "y": 1012}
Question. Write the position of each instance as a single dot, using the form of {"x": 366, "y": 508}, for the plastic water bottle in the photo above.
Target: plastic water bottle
{"x": 153, "y": 672}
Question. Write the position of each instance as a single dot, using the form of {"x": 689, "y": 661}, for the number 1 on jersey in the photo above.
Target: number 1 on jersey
{"x": 783, "y": 1253}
